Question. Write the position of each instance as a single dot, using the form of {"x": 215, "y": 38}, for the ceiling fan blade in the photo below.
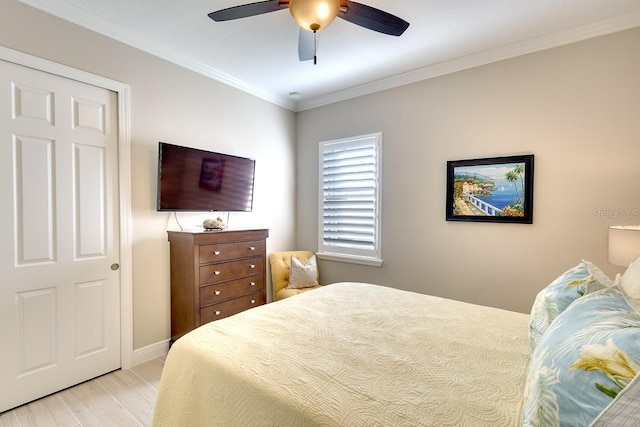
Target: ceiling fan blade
{"x": 307, "y": 46}
{"x": 246, "y": 10}
{"x": 372, "y": 18}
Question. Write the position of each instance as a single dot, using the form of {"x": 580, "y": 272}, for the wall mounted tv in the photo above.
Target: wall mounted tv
{"x": 197, "y": 180}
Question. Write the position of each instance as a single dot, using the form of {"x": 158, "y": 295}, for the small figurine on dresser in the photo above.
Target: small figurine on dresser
{"x": 213, "y": 224}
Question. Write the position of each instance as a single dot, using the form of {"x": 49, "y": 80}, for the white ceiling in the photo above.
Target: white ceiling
{"x": 259, "y": 54}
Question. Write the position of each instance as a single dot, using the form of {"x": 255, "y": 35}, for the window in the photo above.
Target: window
{"x": 349, "y": 217}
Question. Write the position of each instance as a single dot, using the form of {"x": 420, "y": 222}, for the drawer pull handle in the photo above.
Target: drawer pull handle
{"x": 217, "y": 273}
{"x": 217, "y": 292}
{"x": 252, "y": 248}
{"x": 252, "y": 265}
{"x": 252, "y": 284}
{"x": 217, "y": 313}
{"x": 253, "y": 301}
{"x": 216, "y": 252}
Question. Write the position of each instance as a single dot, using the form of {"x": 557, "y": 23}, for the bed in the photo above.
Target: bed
{"x": 355, "y": 354}
{"x": 349, "y": 354}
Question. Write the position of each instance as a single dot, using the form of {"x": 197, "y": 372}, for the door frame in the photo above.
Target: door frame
{"x": 124, "y": 180}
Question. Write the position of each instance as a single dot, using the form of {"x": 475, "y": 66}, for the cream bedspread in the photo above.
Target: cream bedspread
{"x": 349, "y": 354}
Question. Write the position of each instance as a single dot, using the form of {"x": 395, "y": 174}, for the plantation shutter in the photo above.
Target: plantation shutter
{"x": 349, "y": 205}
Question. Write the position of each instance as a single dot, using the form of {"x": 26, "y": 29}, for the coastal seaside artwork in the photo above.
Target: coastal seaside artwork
{"x": 497, "y": 189}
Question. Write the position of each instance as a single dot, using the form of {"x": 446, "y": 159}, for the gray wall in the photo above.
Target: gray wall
{"x": 576, "y": 107}
{"x": 171, "y": 104}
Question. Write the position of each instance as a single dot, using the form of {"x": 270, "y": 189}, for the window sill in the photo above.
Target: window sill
{"x": 353, "y": 259}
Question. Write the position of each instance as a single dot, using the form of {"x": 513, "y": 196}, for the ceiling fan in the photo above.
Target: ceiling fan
{"x": 315, "y": 15}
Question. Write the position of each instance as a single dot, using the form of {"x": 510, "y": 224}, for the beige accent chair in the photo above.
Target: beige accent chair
{"x": 280, "y": 263}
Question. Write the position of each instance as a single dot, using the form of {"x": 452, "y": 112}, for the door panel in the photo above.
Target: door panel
{"x": 91, "y": 332}
{"x": 36, "y": 330}
{"x": 32, "y": 103}
{"x": 89, "y": 200}
{"x": 59, "y": 228}
{"x": 33, "y": 175}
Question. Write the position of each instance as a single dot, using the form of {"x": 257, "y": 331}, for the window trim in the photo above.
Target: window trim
{"x": 374, "y": 258}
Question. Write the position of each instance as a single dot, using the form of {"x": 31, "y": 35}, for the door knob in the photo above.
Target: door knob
{"x": 115, "y": 266}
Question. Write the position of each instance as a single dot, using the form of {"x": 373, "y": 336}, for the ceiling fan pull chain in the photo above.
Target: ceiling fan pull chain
{"x": 315, "y": 48}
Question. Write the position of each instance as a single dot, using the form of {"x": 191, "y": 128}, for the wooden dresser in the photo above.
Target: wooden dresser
{"x": 215, "y": 274}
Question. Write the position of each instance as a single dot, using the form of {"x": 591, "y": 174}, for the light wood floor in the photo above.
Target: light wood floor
{"x": 120, "y": 398}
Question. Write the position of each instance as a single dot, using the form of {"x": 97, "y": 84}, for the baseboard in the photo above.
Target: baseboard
{"x": 151, "y": 351}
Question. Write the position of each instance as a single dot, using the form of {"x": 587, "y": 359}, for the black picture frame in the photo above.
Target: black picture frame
{"x": 495, "y": 189}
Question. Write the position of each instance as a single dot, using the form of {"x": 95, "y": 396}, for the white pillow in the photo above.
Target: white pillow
{"x": 630, "y": 284}
{"x": 303, "y": 275}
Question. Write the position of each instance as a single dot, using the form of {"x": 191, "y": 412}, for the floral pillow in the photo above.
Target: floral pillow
{"x": 588, "y": 355}
{"x": 556, "y": 297}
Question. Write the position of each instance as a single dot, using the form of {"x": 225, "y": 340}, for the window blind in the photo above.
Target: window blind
{"x": 350, "y": 197}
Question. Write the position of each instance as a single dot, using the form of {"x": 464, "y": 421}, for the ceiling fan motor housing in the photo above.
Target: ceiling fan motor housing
{"x": 314, "y": 15}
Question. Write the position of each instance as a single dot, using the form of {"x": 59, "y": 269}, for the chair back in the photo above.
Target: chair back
{"x": 280, "y": 263}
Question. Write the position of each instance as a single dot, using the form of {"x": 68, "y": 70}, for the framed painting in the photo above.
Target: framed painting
{"x": 497, "y": 189}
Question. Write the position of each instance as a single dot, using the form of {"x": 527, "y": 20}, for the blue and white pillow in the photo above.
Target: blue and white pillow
{"x": 559, "y": 294}
{"x": 588, "y": 355}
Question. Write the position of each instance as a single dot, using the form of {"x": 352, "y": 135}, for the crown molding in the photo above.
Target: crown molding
{"x": 84, "y": 19}
{"x": 91, "y": 22}
{"x": 619, "y": 23}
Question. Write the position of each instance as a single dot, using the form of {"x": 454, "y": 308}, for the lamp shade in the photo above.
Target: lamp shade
{"x": 313, "y": 15}
{"x": 624, "y": 244}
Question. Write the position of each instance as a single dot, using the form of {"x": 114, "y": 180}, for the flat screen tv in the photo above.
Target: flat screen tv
{"x": 197, "y": 180}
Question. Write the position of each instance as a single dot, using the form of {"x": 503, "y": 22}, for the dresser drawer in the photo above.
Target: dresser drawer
{"x": 216, "y": 273}
{"x": 227, "y": 251}
{"x": 211, "y": 294}
{"x": 228, "y": 308}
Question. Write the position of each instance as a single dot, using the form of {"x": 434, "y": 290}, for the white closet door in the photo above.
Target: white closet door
{"x": 59, "y": 278}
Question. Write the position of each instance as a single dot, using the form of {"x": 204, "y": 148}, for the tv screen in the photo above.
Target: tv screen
{"x": 197, "y": 180}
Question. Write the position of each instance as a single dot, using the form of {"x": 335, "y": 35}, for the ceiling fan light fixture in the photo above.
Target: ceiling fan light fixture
{"x": 314, "y": 15}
